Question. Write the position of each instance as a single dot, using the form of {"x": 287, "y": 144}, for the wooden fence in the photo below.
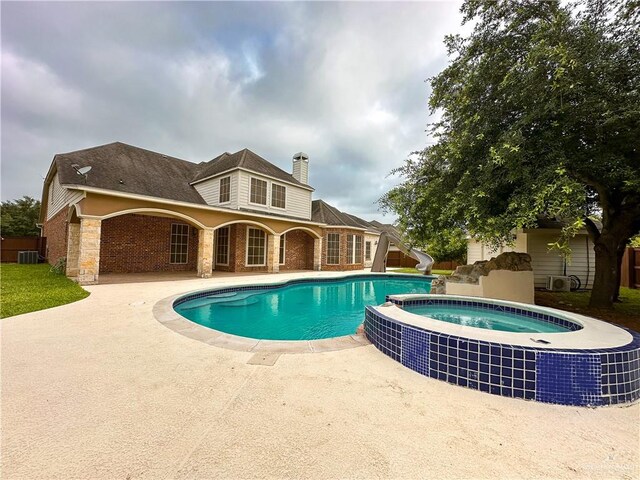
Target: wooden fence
{"x": 630, "y": 272}
{"x": 12, "y": 245}
{"x": 397, "y": 259}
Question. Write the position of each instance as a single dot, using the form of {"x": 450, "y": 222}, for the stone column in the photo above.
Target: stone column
{"x": 73, "y": 250}
{"x": 89, "y": 251}
{"x": 205, "y": 252}
{"x": 317, "y": 254}
{"x": 273, "y": 253}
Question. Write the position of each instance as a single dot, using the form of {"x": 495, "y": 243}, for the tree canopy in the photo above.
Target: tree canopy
{"x": 539, "y": 115}
{"x": 19, "y": 217}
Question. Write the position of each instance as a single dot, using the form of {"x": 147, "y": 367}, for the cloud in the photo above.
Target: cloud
{"x": 343, "y": 82}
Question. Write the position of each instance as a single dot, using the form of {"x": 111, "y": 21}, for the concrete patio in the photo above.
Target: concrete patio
{"x": 101, "y": 389}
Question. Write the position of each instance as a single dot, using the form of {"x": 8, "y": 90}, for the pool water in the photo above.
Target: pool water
{"x": 484, "y": 318}
{"x": 304, "y": 311}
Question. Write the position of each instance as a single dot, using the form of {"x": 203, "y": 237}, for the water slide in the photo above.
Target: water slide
{"x": 380, "y": 259}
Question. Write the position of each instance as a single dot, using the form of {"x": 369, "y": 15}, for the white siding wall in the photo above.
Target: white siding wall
{"x": 298, "y": 200}
{"x": 545, "y": 262}
{"x": 583, "y": 260}
{"x": 369, "y": 237}
{"x": 60, "y": 197}
{"x": 209, "y": 190}
{"x": 477, "y": 251}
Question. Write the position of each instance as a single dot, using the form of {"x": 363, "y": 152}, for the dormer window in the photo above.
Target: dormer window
{"x": 225, "y": 189}
{"x": 278, "y": 196}
{"x": 258, "y": 191}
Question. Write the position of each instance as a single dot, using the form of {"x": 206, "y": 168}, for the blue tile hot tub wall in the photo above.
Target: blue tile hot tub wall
{"x": 576, "y": 377}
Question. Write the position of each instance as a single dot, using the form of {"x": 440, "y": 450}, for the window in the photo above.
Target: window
{"x": 350, "y": 248}
{"x": 354, "y": 249}
{"x": 367, "y": 250}
{"x": 358, "y": 247}
{"x": 282, "y": 245}
{"x": 225, "y": 189}
{"x": 278, "y": 196}
{"x": 333, "y": 249}
{"x": 256, "y": 247}
{"x": 222, "y": 246}
{"x": 179, "y": 243}
{"x": 258, "y": 191}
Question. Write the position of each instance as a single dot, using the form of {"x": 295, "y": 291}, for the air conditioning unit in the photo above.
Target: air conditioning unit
{"x": 558, "y": 284}
{"x": 28, "y": 257}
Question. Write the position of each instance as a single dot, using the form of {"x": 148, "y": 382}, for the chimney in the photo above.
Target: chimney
{"x": 301, "y": 167}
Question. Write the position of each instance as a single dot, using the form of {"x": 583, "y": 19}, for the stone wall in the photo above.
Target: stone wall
{"x": 141, "y": 243}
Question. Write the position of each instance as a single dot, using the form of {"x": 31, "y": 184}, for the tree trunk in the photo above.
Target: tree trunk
{"x": 606, "y": 275}
{"x": 621, "y": 249}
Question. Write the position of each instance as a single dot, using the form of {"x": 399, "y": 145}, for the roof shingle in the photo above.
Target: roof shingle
{"x": 128, "y": 169}
{"x": 244, "y": 159}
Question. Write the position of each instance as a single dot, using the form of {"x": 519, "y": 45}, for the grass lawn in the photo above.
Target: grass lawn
{"x": 413, "y": 270}
{"x": 625, "y": 313}
{"x": 27, "y": 288}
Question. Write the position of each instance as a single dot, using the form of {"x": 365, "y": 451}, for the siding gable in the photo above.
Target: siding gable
{"x": 59, "y": 197}
{"x": 209, "y": 190}
{"x": 298, "y": 200}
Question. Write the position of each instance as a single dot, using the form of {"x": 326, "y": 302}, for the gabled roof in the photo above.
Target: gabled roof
{"x": 322, "y": 212}
{"x": 243, "y": 159}
{"x": 386, "y": 227}
{"x": 364, "y": 223}
{"x": 125, "y": 168}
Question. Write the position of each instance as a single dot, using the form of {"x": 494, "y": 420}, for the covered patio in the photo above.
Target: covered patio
{"x": 125, "y": 236}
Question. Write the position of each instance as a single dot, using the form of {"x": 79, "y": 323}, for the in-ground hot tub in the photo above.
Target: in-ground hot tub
{"x": 561, "y": 357}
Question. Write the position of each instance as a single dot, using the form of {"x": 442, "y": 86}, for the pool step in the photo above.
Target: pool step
{"x": 228, "y": 299}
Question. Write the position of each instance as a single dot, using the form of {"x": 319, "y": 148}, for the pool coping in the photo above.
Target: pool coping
{"x": 164, "y": 313}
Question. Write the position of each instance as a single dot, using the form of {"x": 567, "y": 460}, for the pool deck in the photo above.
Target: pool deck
{"x": 101, "y": 389}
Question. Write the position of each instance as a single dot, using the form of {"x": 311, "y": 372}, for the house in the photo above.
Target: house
{"x": 135, "y": 210}
{"x": 545, "y": 262}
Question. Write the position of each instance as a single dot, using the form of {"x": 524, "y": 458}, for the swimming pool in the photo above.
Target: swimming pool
{"x": 297, "y": 310}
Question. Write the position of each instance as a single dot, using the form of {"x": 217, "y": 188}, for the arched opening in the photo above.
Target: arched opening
{"x": 241, "y": 246}
{"x": 153, "y": 240}
{"x": 297, "y": 249}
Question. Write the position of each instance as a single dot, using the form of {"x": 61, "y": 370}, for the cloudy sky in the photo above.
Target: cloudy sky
{"x": 343, "y": 82}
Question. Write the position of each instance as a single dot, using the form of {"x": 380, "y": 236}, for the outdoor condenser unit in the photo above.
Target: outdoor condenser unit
{"x": 558, "y": 283}
{"x": 28, "y": 257}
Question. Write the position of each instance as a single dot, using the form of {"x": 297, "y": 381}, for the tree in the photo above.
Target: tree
{"x": 448, "y": 246}
{"x": 19, "y": 217}
{"x": 540, "y": 115}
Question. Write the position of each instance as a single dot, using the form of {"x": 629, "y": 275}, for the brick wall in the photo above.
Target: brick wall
{"x": 298, "y": 249}
{"x": 55, "y": 229}
{"x": 141, "y": 243}
{"x": 232, "y": 252}
{"x": 239, "y": 245}
{"x": 343, "y": 265}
